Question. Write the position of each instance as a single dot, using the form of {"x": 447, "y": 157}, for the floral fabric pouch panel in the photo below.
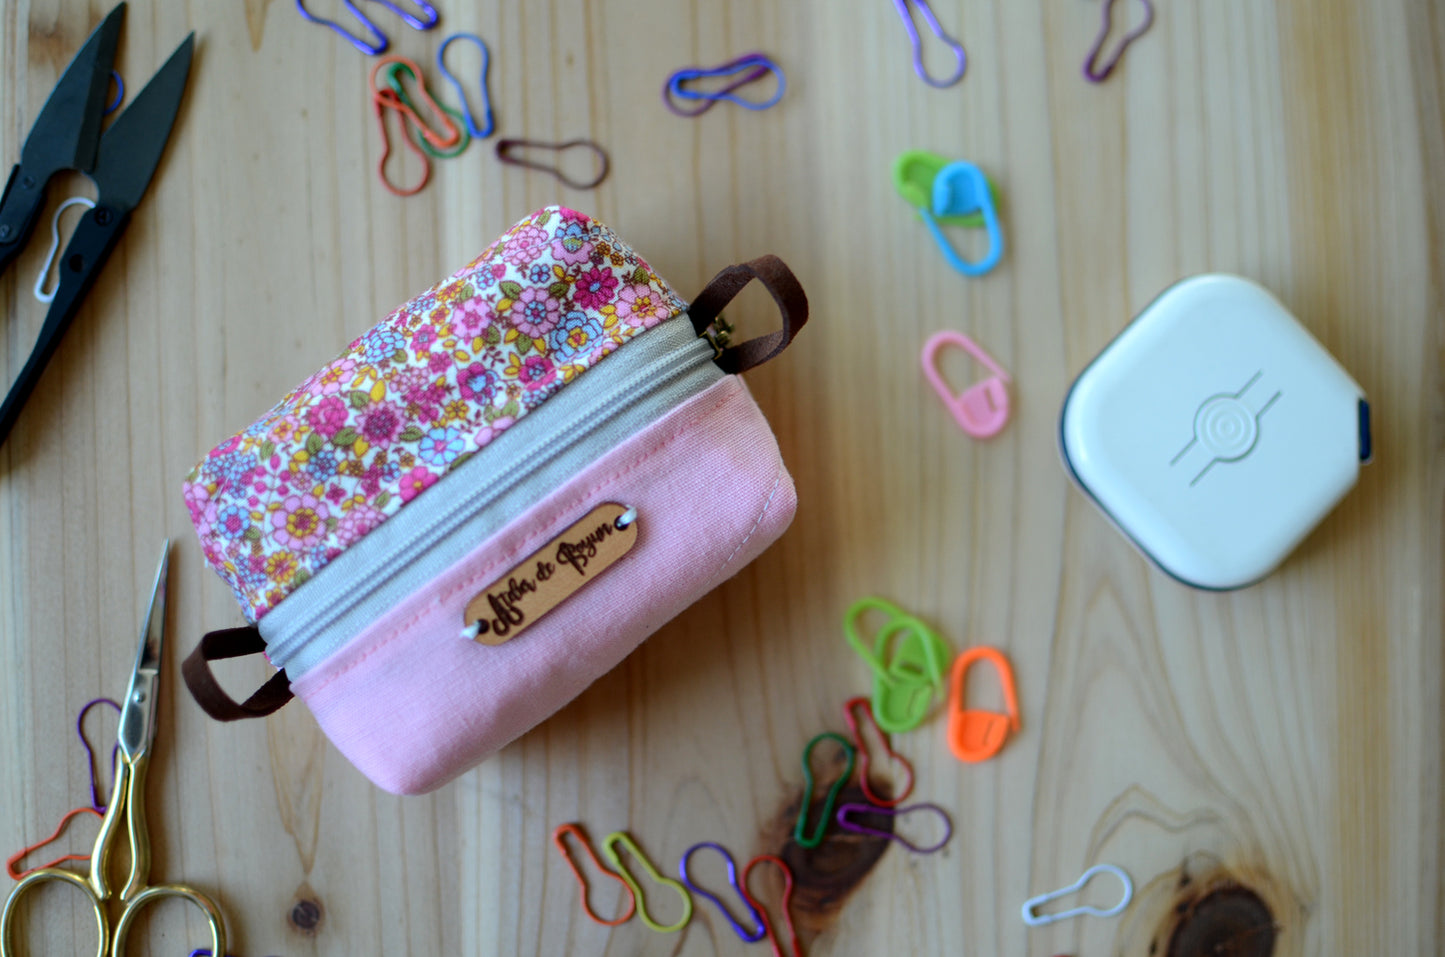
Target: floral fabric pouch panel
{"x": 489, "y": 499}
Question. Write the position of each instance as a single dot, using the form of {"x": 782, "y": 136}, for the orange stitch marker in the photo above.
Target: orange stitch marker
{"x": 576, "y": 831}
{"x": 380, "y": 107}
{"x": 973, "y": 734}
{"x": 15, "y": 858}
{"x": 394, "y": 100}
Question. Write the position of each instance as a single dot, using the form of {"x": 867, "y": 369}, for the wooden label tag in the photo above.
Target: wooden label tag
{"x": 544, "y": 579}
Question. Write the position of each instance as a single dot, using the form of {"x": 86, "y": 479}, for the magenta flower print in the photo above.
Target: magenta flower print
{"x": 328, "y": 416}
{"x": 594, "y": 288}
{"x": 532, "y": 372}
{"x": 426, "y": 404}
{"x": 639, "y": 303}
{"x": 526, "y": 246}
{"x": 371, "y": 481}
{"x": 476, "y": 383}
{"x": 471, "y": 318}
{"x": 420, "y": 392}
{"x": 535, "y": 312}
{"x": 537, "y": 372}
{"x": 415, "y": 482}
{"x": 300, "y": 521}
{"x": 380, "y": 424}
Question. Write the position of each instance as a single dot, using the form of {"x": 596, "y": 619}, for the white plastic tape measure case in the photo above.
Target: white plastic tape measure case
{"x": 1215, "y": 431}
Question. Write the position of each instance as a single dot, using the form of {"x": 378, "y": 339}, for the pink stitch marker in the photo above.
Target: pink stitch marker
{"x": 982, "y": 409}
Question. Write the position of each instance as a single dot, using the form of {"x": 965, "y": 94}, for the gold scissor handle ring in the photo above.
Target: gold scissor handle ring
{"x": 152, "y": 894}
{"x": 34, "y": 879}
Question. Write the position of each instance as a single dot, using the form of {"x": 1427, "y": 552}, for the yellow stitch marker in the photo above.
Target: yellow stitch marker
{"x": 609, "y": 847}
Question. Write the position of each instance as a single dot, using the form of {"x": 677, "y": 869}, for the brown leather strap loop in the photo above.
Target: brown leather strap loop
{"x": 787, "y": 292}
{"x": 232, "y": 643}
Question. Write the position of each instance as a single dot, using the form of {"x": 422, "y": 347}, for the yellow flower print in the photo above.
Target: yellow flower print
{"x": 281, "y": 566}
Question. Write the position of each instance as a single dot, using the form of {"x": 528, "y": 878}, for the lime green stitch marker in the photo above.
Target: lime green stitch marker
{"x": 609, "y": 847}
{"x": 917, "y": 671}
{"x": 850, "y": 630}
{"x": 913, "y": 174}
{"x": 816, "y": 838}
{"x": 905, "y": 684}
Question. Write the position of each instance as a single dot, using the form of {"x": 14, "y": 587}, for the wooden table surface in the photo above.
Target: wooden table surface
{"x": 1267, "y": 764}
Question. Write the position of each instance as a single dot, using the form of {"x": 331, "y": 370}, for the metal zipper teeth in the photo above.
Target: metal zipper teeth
{"x": 626, "y": 393}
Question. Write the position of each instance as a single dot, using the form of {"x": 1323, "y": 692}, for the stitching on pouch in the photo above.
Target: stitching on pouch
{"x": 777, "y": 483}
{"x": 530, "y": 542}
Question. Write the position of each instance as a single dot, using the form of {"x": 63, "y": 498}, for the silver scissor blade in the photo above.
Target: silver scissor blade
{"x": 66, "y": 132}
{"x": 138, "y": 710}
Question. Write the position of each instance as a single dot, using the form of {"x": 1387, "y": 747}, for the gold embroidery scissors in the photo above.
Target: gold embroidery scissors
{"x": 126, "y": 810}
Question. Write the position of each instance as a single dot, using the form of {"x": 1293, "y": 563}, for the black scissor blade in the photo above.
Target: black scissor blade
{"x": 131, "y": 148}
{"x": 67, "y": 130}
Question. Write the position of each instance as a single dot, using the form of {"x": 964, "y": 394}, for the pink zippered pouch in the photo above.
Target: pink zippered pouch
{"x": 490, "y": 499}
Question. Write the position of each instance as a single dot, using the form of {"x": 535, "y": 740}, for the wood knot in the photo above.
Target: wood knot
{"x": 306, "y": 914}
{"x": 827, "y": 875}
{"x": 1227, "y": 920}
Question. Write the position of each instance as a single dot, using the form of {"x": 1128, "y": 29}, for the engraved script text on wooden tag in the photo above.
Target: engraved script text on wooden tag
{"x": 545, "y": 578}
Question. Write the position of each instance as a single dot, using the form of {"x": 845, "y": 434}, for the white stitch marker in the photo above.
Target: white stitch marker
{"x": 1033, "y": 903}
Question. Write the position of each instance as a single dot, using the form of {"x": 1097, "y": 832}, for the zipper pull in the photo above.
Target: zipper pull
{"x": 719, "y": 334}
{"x": 706, "y": 312}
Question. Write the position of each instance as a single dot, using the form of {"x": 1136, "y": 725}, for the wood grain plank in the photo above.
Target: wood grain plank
{"x": 1283, "y": 739}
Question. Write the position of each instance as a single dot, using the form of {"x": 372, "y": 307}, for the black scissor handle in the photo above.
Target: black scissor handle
{"x": 20, "y": 207}
{"x": 90, "y": 246}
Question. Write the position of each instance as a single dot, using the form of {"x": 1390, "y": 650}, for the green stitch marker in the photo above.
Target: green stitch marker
{"x": 389, "y": 74}
{"x": 913, "y": 174}
{"x": 817, "y": 836}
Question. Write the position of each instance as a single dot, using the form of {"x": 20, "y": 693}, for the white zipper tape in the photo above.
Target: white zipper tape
{"x": 623, "y": 393}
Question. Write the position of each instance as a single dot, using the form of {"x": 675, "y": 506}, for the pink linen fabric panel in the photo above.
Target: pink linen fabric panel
{"x": 414, "y": 397}
{"x": 412, "y": 704}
